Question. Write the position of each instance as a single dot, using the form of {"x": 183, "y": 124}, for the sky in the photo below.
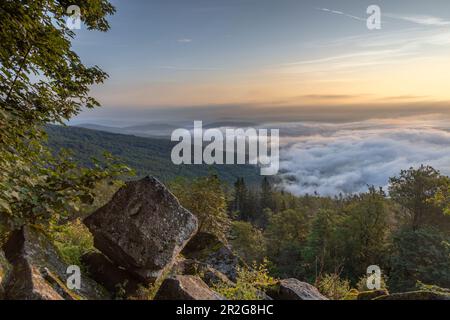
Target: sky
{"x": 284, "y": 56}
{"x": 354, "y": 106}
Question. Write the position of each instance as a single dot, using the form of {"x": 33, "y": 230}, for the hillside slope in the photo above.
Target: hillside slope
{"x": 148, "y": 156}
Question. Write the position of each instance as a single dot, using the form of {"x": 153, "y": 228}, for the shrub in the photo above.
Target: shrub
{"x": 72, "y": 240}
{"x": 248, "y": 241}
{"x": 362, "y": 284}
{"x": 250, "y": 284}
{"x": 333, "y": 287}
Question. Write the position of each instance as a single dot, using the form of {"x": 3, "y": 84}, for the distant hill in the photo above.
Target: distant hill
{"x": 148, "y": 156}
{"x": 161, "y": 129}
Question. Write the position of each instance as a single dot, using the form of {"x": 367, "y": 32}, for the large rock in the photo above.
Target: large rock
{"x": 116, "y": 280}
{"x": 293, "y": 289}
{"x": 186, "y": 288}
{"x": 39, "y": 273}
{"x": 209, "y": 249}
{"x": 208, "y": 274}
{"x": 5, "y": 272}
{"x": 143, "y": 228}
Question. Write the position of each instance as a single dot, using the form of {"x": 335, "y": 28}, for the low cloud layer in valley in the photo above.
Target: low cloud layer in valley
{"x": 332, "y": 157}
{"x": 345, "y": 158}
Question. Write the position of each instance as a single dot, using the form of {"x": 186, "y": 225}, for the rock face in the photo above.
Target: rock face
{"x": 142, "y": 229}
{"x": 208, "y": 274}
{"x": 5, "y": 272}
{"x": 115, "y": 279}
{"x": 185, "y": 288}
{"x": 293, "y": 289}
{"x": 38, "y": 272}
{"x": 208, "y": 249}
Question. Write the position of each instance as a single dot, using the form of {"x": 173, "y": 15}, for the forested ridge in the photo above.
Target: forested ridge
{"x": 147, "y": 156}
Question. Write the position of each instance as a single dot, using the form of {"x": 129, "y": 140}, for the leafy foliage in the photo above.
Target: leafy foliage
{"x": 419, "y": 255}
{"x": 362, "y": 233}
{"x": 72, "y": 240}
{"x": 248, "y": 241}
{"x": 442, "y": 197}
{"x": 250, "y": 283}
{"x": 286, "y": 234}
{"x": 362, "y": 284}
{"x": 205, "y": 198}
{"x": 333, "y": 287}
{"x": 42, "y": 80}
{"x": 413, "y": 189}
{"x": 332, "y": 241}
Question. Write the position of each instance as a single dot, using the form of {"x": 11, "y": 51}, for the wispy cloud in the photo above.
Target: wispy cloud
{"x": 184, "y": 40}
{"x": 420, "y": 19}
{"x": 341, "y": 13}
{"x": 329, "y": 96}
{"x": 351, "y": 61}
{"x": 178, "y": 68}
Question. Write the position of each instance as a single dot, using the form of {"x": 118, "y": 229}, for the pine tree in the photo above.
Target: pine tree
{"x": 240, "y": 195}
{"x": 267, "y": 195}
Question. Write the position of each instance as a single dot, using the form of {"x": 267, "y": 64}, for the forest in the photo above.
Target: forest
{"x": 330, "y": 241}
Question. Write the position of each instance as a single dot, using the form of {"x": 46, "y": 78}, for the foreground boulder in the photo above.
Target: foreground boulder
{"x": 209, "y": 249}
{"x": 186, "y": 288}
{"x": 5, "y": 272}
{"x": 142, "y": 229}
{"x": 38, "y": 272}
{"x": 293, "y": 289}
{"x": 116, "y": 280}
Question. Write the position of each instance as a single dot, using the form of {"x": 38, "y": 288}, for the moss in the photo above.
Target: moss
{"x": 208, "y": 251}
{"x": 60, "y": 286}
{"x": 351, "y": 295}
{"x": 149, "y": 293}
{"x": 5, "y": 268}
{"x": 415, "y": 295}
{"x": 72, "y": 241}
{"x": 372, "y": 294}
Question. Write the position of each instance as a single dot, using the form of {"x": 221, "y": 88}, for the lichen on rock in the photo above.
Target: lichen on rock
{"x": 142, "y": 229}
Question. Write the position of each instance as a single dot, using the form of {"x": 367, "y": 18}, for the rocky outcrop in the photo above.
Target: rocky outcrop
{"x": 293, "y": 289}
{"x": 370, "y": 295}
{"x": 5, "y": 272}
{"x": 186, "y": 288}
{"x": 116, "y": 280}
{"x": 416, "y": 295}
{"x": 208, "y": 274}
{"x": 39, "y": 273}
{"x": 209, "y": 249}
{"x": 142, "y": 229}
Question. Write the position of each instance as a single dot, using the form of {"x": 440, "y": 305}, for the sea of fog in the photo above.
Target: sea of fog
{"x": 347, "y": 157}
{"x": 344, "y": 157}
